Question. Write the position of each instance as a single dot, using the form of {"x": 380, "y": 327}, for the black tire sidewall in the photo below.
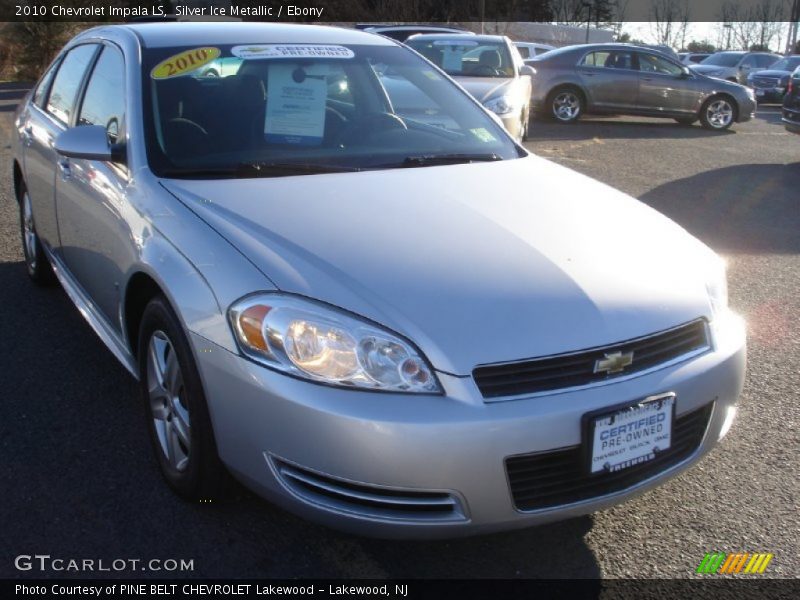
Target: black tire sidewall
{"x": 202, "y": 479}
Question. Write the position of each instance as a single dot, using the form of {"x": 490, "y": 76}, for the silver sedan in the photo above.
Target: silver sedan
{"x": 383, "y": 315}
{"x": 631, "y": 80}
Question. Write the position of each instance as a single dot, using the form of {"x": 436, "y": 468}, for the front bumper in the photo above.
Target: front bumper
{"x": 791, "y": 119}
{"x": 769, "y": 95}
{"x": 427, "y": 447}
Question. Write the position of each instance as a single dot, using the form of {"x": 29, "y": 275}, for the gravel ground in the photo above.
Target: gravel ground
{"x": 79, "y": 481}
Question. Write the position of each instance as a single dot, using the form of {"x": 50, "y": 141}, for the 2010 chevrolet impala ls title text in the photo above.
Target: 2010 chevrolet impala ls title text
{"x": 339, "y": 279}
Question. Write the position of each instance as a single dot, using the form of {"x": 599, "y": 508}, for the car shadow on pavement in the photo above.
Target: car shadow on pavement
{"x": 742, "y": 209}
{"x": 614, "y": 128}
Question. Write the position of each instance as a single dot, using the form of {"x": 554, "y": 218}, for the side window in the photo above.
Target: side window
{"x": 104, "y": 101}
{"x": 44, "y": 85}
{"x": 765, "y": 60}
{"x": 749, "y": 61}
{"x": 67, "y": 82}
{"x": 650, "y": 63}
{"x": 608, "y": 60}
{"x": 524, "y": 51}
{"x": 595, "y": 59}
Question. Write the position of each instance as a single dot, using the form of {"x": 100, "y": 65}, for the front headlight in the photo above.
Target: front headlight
{"x": 717, "y": 287}
{"x": 501, "y": 105}
{"x": 311, "y": 340}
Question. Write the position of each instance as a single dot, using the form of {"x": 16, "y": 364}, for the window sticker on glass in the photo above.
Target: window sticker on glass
{"x": 185, "y": 62}
{"x": 296, "y": 100}
{"x": 258, "y": 51}
{"x": 452, "y": 57}
{"x": 483, "y": 135}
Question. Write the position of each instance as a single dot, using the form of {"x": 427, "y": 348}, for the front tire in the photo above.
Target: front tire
{"x": 718, "y": 113}
{"x": 36, "y": 262}
{"x": 176, "y": 410}
{"x": 566, "y": 105}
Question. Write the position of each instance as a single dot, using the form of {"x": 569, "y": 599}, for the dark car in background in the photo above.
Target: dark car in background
{"x": 771, "y": 84}
{"x": 632, "y": 80}
{"x": 735, "y": 65}
{"x": 489, "y": 68}
{"x": 791, "y": 104}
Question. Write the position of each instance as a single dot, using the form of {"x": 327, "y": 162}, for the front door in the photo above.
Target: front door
{"x": 610, "y": 79}
{"x": 90, "y": 195}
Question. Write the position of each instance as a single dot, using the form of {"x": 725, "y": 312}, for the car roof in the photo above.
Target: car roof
{"x": 457, "y": 37}
{"x": 406, "y": 26}
{"x": 157, "y": 35}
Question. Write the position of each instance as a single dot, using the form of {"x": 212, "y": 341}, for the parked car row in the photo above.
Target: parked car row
{"x": 516, "y": 80}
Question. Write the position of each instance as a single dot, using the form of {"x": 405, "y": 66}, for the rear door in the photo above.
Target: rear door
{"x": 96, "y": 244}
{"x": 47, "y": 116}
{"x": 663, "y": 88}
{"x": 610, "y": 79}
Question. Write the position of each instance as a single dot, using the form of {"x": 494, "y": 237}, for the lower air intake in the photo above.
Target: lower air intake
{"x": 368, "y": 500}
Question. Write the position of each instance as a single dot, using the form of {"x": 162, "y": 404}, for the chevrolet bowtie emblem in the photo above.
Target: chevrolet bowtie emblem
{"x": 614, "y": 362}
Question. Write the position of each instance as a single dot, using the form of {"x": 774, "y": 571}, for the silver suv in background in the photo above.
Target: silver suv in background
{"x": 735, "y": 65}
{"x": 628, "y": 79}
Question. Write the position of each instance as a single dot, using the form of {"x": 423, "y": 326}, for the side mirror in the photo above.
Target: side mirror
{"x": 527, "y": 70}
{"x": 89, "y": 142}
{"x": 686, "y": 73}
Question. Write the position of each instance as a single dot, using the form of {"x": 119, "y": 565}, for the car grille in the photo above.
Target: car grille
{"x": 577, "y": 369}
{"x": 556, "y": 478}
{"x": 368, "y": 500}
{"x": 765, "y": 82}
{"x": 792, "y": 115}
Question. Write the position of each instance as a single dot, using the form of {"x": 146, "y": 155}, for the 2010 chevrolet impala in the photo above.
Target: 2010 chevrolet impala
{"x": 340, "y": 280}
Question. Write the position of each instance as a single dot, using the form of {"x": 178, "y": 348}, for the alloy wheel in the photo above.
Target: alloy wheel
{"x": 28, "y": 232}
{"x": 566, "y": 106}
{"x": 168, "y": 403}
{"x": 719, "y": 114}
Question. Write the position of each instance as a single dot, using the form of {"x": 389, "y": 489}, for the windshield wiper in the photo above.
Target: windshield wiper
{"x": 424, "y": 160}
{"x": 279, "y": 169}
{"x": 256, "y": 169}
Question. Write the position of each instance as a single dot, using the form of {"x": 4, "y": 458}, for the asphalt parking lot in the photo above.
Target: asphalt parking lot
{"x": 79, "y": 481}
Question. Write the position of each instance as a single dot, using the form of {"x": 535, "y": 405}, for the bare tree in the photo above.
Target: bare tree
{"x": 669, "y": 20}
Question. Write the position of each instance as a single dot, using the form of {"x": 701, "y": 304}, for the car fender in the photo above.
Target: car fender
{"x": 186, "y": 289}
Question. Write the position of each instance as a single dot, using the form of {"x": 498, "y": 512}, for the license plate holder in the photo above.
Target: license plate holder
{"x": 629, "y": 434}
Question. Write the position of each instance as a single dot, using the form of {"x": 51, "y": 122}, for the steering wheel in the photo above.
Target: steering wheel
{"x": 485, "y": 71}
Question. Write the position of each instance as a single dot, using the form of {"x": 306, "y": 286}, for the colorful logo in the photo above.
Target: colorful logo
{"x": 743, "y": 562}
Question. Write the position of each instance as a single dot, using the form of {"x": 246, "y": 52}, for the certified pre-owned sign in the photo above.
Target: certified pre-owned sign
{"x": 46, "y": 562}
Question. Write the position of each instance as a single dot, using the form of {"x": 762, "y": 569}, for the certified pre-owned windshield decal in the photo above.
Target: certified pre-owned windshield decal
{"x": 183, "y": 63}
{"x": 256, "y": 51}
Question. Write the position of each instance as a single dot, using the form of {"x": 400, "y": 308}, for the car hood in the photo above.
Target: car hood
{"x": 772, "y": 73}
{"x": 485, "y": 88}
{"x": 705, "y": 69}
{"x": 476, "y": 263}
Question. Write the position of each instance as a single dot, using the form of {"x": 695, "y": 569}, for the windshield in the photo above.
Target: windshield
{"x": 790, "y": 63}
{"x": 268, "y": 110}
{"x": 723, "y": 59}
{"x": 467, "y": 58}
